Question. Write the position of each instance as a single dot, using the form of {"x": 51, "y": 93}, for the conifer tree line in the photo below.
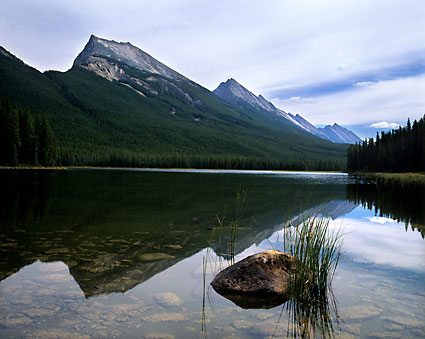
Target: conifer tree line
{"x": 400, "y": 150}
{"x": 25, "y": 138}
{"x": 70, "y": 156}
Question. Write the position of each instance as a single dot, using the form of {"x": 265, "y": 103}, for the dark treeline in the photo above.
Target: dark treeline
{"x": 119, "y": 158}
{"x": 25, "y": 138}
{"x": 400, "y": 201}
{"x": 400, "y": 150}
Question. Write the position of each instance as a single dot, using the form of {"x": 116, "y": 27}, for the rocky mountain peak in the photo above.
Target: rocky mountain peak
{"x": 126, "y": 53}
{"x": 233, "y": 92}
{"x": 339, "y": 134}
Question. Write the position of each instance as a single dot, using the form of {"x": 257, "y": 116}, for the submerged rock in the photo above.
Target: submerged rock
{"x": 155, "y": 256}
{"x": 156, "y": 335}
{"x": 359, "y": 312}
{"x": 21, "y": 321}
{"x": 255, "y": 301}
{"x": 258, "y": 281}
{"x": 241, "y": 324}
{"x": 165, "y": 317}
{"x": 168, "y": 299}
{"x": 57, "y": 333}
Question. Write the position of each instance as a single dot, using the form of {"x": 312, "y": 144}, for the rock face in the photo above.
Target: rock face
{"x": 258, "y": 281}
{"x": 112, "y": 60}
{"x": 339, "y": 134}
{"x": 127, "y": 54}
{"x": 234, "y": 93}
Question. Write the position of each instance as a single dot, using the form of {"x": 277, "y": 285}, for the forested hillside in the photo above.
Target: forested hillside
{"x": 101, "y": 122}
{"x": 401, "y": 150}
{"x": 25, "y": 138}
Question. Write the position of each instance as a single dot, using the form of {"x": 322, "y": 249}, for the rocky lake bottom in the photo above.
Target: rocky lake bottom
{"x": 117, "y": 254}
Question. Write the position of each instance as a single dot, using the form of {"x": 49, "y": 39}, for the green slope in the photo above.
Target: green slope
{"x": 95, "y": 119}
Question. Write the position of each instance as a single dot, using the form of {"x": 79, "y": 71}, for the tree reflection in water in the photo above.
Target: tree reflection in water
{"x": 401, "y": 201}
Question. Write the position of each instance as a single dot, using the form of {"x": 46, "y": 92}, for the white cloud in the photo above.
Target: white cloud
{"x": 363, "y": 83}
{"x": 342, "y": 67}
{"x": 392, "y": 100}
{"x": 299, "y": 99}
{"x": 363, "y": 241}
{"x": 384, "y": 124}
{"x": 273, "y": 44}
{"x": 380, "y": 220}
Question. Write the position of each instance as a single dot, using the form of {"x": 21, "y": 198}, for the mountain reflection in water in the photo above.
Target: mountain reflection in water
{"x": 115, "y": 252}
{"x": 116, "y": 229}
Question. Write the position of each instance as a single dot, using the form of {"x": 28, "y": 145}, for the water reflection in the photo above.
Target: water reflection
{"x": 313, "y": 318}
{"x": 364, "y": 242}
{"x": 119, "y": 254}
{"x": 117, "y": 229}
{"x": 402, "y": 202}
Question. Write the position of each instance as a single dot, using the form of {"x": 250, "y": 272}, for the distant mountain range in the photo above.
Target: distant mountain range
{"x": 119, "y": 106}
{"x": 234, "y": 93}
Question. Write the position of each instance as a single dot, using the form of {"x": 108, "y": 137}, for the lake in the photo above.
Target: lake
{"x": 130, "y": 253}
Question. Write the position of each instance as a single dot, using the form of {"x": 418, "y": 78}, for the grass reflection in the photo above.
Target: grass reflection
{"x": 312, "y": 308}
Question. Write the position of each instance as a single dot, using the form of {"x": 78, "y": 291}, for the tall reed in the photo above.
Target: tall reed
{"x": 233, "y": 226}
{"x": 317, "y": 250}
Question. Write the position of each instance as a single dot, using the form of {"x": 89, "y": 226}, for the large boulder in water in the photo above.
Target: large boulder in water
{"x": 258, "y": 281}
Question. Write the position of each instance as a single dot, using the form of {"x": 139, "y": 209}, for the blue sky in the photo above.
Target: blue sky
{"x": 354, "y": 62}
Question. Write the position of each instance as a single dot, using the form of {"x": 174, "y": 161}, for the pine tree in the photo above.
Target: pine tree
{"x": 400, "y": 150}
{"x": 10, "y": 140}
{"x": 28, "y": 152}
{"x": 47, "y": 145}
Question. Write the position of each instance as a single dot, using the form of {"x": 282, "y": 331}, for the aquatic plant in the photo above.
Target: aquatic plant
{"x": 222, "y": 237}
{"x": 229, "y": 241}
{"x": 317, "y": 250}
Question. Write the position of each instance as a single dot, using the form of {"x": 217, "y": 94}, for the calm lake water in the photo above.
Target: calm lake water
{"x": 126, "y": 253}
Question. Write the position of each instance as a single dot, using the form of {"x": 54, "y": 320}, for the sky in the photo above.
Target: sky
{"x": 359, "y": 63}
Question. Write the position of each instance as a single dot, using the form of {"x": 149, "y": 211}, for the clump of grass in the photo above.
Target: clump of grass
{"x": 317, "y": 251}
{"x": 233, "y": 226}
{"x": 395, "y": 178}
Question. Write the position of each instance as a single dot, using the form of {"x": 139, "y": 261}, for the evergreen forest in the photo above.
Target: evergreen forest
{"x": 25, "y": 138}
{"x": 77, "y": 118}
{"x": 399, "y": 150}
{"x": 28, "y": 139}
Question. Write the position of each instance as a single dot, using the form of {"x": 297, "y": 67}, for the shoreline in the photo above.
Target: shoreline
{"x": 61, "y": 168}
{"x": 408, "y": 177}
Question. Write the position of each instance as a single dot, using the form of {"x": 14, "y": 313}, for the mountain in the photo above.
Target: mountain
{"x": 97, "y": 48}
{"x": 78, "y": 212}
{"x": 234, "y": 93}
{"x": 340, "y": 134}
{"x": 308, "y": 126}
{"x": 119, "y": 106}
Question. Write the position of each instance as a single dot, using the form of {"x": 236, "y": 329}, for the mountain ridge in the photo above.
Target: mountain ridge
{"x": 127, "y": 53}
{"x": 106, "y": 112}
{"x": 338, "y": 133}
{"x": 234, "y": 93}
